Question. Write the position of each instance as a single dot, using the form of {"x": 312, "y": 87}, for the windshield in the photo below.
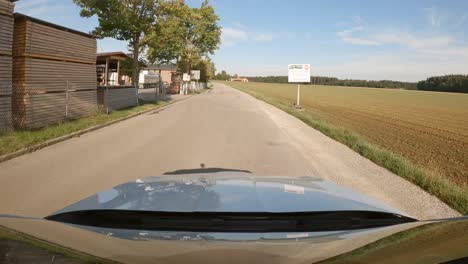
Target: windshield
{"x": 282, "y": 131}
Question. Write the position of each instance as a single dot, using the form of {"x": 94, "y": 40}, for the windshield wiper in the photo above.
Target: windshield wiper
{"x": 231, "y": 221}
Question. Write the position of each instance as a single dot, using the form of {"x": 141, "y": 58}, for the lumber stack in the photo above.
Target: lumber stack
{"x": 54, "y": 73}
{"x": 6, "y": 7}
{"x": 6, "y": 45}
{"x": 49, "y": 108}
{"x": 117, "y": 97}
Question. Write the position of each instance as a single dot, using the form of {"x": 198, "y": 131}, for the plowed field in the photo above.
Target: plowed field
{"x": 428, "y": 128}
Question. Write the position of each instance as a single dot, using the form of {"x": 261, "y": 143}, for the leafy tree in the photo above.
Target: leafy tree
{"x": 206, "y": 68}
{"x": 448, "y": 83}
{"x": 127, "y": 20}
{"x": 223, "y": 75}
{"x": 183, "y": 34}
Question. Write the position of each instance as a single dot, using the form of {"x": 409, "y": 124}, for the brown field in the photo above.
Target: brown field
{"x": 429, "y": 129}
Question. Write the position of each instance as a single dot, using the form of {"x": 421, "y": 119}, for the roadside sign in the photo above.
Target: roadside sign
{"x": 186, "y": 77}
{"x": 299, "y": 73}
{"x": 195, "y": 75}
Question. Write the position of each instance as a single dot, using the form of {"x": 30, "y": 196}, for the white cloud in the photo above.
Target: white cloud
{"x": 430, "y": 43}
{"x": 231, "y": 36}
{"x": 265, "y": 37}
{"x": 37, "y": 7}
{"x": 413, "y": 41}
{"x": 434, "y": 17}
{"x": 347, "y": 36}
{"x": 406, "y": 67}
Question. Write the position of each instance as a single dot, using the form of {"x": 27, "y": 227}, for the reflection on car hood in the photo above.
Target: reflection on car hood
{"x": 229, "y": 192}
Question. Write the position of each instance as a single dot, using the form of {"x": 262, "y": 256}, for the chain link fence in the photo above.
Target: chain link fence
{"x": 152, "y": 92}
{"x": 35, "y": 109}
{"x": 111, "y": 98}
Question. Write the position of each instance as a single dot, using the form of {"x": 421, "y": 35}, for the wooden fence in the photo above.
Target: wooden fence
{"x": 112, "y": 98}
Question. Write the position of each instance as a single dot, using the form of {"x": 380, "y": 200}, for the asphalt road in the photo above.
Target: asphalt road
{"x": 224, "y": 128}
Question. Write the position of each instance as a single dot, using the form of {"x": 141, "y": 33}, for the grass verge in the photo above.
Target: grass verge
{"x": 447, "y": 191}
{"x": 394, "y": 248}
{"x": 16, "y": 140}
{"x": 29, "y": 247}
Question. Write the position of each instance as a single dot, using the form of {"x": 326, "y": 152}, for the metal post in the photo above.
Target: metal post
{"x": 106, "y": 82}
{"x": 136, "y": 93}
{"x": 66, "y": 102}
{"x": 158, "y": 92}
{"x": 106, "y": 99}
{"x": 298, "y": 95}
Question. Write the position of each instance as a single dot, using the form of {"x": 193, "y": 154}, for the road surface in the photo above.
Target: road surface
{"x": 224, "y": 128}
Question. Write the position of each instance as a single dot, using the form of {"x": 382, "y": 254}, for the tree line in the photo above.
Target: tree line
{"x": 329, "y": 81}
{"x": 159, "y": 31}
{"x": 448, "y": 83}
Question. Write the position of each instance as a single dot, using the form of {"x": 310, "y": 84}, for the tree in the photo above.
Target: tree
{"x": 184, "y": 34}
{"x": 127, "y": 20}
{"x": 224, "y": 76}
{"x": 206, "y": 68}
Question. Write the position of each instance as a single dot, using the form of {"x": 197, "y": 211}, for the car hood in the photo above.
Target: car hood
{"x": 229, "y": 192}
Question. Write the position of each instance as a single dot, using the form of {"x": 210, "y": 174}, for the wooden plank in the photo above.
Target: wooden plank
{"x": 41, "y": 41}
{"x": 5, "y": 114}
{"x": 6, "y": 77}
{"x": 45, "y": 75}
{"x": 6, "y": 35}
{"x": 6, "y": 8}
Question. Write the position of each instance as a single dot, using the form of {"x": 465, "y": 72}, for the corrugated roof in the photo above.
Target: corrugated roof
{"x": 115, "y": 53}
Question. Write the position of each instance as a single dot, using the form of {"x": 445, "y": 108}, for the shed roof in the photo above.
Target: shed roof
{"x": 112, "y": 54}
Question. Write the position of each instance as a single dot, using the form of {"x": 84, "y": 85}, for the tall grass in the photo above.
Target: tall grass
{"x": 447, "y": 191}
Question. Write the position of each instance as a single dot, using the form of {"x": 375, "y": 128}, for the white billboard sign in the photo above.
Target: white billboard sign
{"x": 195, "y": 75}
{"x": 299, "y": 73}
{"x": 186, "y": 77}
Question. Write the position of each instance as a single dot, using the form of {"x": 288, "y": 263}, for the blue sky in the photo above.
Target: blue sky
{"x": 398, "y": 40}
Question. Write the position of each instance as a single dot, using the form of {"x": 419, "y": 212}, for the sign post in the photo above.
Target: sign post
{"x": 195, "y": 75}
{"x": 298, "y": 73}
{"x": 186, "y": 79}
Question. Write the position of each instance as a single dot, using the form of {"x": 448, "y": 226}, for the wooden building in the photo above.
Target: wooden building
{"x": 239, "y": 79}
{"x": 6, "y": 63}
{"x": 54, "y": 73}
{"x": 110, "y": 64}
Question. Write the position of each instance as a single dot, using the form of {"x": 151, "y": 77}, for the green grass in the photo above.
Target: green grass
{"x": 26, "y": 240}
{"x": 452, "y": 194}
{"x": 394, "y": 248}
{"x": 16, "y": 140}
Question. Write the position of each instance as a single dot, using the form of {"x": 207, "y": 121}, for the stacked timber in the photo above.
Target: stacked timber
{"x": 54, "y": 73}
{"x": 176, "y": 82}
{"x": 6, "y": 45}
{"x": 6, "y": 7}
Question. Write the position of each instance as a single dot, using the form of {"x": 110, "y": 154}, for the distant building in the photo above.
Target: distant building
{"x": 239, "y": 79}
{"x": 166, "y": 71}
